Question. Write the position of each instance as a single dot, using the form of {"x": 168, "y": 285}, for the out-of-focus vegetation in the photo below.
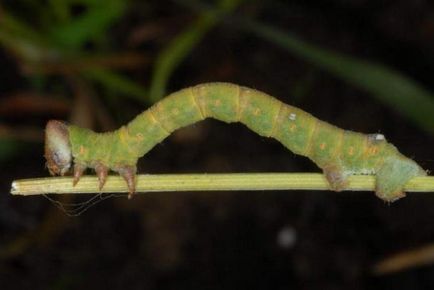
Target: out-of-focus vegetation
{"x": 62, "y": 41}
{"x": 386, "y": 84}
{"x": 73, "y": 37}
{"x": 182, "y": 45}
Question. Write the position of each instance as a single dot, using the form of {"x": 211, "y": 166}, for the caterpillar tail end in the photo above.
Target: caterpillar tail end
{"x": 393, "y": 175}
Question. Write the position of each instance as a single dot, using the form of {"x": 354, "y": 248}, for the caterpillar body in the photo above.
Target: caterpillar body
{"x": 339, "y": 153}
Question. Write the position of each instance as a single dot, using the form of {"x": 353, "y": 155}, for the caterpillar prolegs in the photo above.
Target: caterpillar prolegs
{"x": 339, "y": 153}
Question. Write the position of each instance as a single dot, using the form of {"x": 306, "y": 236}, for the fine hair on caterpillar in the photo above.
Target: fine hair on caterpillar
{"x": 339, "y": 153}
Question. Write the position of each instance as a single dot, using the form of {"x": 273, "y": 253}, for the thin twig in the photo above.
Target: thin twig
{"x": 205, "y": 182}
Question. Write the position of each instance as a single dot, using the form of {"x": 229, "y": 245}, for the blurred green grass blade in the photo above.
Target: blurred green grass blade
{"x": 27, "y": 49}
{"x": 60, "y": 10}
{"x": 93, "y": 23}
{"x": 18, "y": 37}
{"x": 118, "y": 83}
{"x": 181, "y": 46}
{"x": 387, "y": 85}
{"x": 23, "y": 41}
{"x": 17, "y": 28}
{"x": 173, "y": 55}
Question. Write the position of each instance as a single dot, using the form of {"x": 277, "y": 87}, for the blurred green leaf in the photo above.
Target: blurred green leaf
{"x": 28, "y": 50}
{"x": 26, "y": 43}
{"x": 60, "y": 10}
{"x": 118, "y": 83}
{"x": 387, "y": 85}
{"x": 14, "y": 26}
{"x": 96, "y": 19}
{"x": 181, "y": 46}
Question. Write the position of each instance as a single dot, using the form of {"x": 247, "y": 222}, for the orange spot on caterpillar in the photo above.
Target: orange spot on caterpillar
{"x": 373, "y": 150}
{"x": 217, "y": 102}
{"x": 82, "y": 150}
{"x": 257, "y": 111}
{"x": 351, "y": 151}
{"x": 175, "y": 111}
{"x": 322, "y": 146}
{"x": 139, "y": 136}
{"x": 292, "y": 128}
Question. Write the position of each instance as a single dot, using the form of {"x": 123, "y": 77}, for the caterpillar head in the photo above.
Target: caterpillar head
{"x": 57, "y": 147}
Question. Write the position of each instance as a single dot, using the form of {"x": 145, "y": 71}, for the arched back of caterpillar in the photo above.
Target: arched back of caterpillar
{"x": 339, "y": 153}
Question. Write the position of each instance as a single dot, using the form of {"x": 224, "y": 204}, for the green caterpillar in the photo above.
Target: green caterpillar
{"x": 339, "y": 153}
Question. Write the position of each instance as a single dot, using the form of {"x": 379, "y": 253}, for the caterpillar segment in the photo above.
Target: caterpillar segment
{"x": 339, "y": 153}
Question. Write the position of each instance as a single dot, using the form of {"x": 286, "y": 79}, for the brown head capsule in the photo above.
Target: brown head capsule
{"x": 57, "y": 147}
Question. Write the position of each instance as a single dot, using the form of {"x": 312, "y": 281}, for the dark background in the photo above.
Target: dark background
{"x": 209, "y": 240}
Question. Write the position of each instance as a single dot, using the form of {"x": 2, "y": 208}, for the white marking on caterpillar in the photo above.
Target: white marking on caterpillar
{"x": 292, "y": 116}
{"x": 374, "y": 138}
{"x": 379, "y": 137}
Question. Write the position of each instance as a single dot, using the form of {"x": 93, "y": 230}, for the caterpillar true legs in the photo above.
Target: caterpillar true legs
{"x": 340, "y": 153}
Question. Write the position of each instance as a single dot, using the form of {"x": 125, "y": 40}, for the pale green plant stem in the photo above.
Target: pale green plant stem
{"x": 205, "y": 182}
